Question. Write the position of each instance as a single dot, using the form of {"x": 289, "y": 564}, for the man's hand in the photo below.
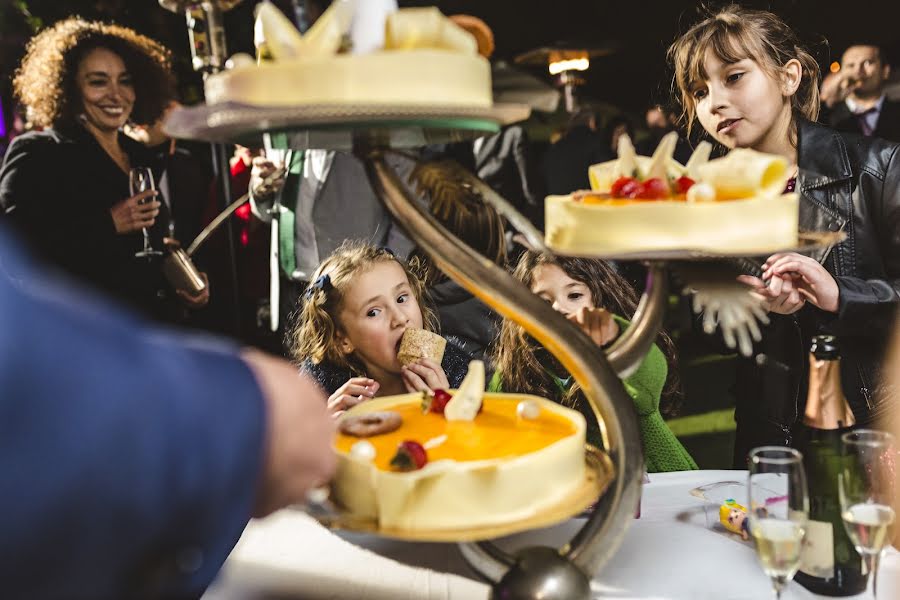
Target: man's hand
{"x": 262, "y": 183}
{"x": 298, "y": 454}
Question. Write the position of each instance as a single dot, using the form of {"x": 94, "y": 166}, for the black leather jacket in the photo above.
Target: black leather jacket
{"x": 852, "y": 183}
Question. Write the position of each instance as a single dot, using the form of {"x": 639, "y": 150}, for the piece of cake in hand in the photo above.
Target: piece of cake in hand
{"x": 418, "y": 343}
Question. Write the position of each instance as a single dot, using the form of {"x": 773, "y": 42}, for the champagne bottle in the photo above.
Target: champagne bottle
{"x": 829, "y": 564}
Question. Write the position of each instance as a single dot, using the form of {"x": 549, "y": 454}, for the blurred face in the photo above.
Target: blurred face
{"x": 656, "y": 119}
{"x": 565, "y": 294}
{"x": 864, "y": 70}
{"x": 378, "y": 307}
{"x": 107, "y": 93}
{"x": 742, "y": 106}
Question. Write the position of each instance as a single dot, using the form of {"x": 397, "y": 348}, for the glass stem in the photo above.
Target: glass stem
{"x": 873, "y": 572}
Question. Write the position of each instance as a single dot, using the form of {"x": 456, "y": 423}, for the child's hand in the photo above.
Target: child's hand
{"x": 810, "y": 279}
{"x": 781, "y": 294}
{"x": 424, "y": 375}
{"x": 356, "y": 390}
{"x": 598, "y": 323}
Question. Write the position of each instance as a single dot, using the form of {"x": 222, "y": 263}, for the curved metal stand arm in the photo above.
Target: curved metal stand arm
{"x": 629, "y": 351}
{"x": 495, "y": 287}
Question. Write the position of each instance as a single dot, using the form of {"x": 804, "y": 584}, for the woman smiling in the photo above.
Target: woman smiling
{"x": 66, "y": 188}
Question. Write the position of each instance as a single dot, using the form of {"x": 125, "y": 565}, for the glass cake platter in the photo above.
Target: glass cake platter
{"x": 339, "y": 127}
{"x": 598, "y": 474}
{"x": 807, "y": 242}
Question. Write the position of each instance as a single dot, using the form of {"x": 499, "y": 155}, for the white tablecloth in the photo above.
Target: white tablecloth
{"x": 676, "y": 550}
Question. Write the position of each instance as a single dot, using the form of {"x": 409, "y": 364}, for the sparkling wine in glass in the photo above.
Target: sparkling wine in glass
{"x": 778, "y": 511}
{"x": 140, "y": 179}
{"x": 865, "y": 486}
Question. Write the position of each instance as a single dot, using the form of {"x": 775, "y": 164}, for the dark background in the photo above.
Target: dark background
{"x": 631, "y": 77}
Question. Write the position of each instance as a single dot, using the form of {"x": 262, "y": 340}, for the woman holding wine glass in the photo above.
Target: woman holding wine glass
{"x": 67, "y": 188}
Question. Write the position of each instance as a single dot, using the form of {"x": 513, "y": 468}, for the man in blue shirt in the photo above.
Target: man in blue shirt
{"x": 131, "y": 459}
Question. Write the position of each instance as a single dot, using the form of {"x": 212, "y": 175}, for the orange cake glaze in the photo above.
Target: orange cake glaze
{"x": 496, "y": 433}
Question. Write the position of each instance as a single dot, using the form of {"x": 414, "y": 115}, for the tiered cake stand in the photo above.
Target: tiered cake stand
{"x": 613, "y": 473}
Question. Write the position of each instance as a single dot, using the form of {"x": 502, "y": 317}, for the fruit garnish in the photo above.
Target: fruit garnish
{"x": 410, "y": 456}
{"x": 436, "y": 401}
{"x": 653, "y": 189}
{"x": 683, "y": 184}
{"x": 623, "y": 186}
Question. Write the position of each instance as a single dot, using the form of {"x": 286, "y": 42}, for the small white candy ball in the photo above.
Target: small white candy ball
{"x": 528, "y": 409}
{"x": 701, "y": 192}
{"x": 241, "y": 59}
{"x": 363, "y": 450}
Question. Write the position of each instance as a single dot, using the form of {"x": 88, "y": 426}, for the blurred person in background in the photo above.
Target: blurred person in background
{"x": 853, "y": 99}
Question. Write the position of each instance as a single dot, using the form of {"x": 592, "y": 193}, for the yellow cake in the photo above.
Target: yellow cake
{"x": 519, "y": 455}
{"x": 426, "y": 60}
{"x": 733, "y": 204}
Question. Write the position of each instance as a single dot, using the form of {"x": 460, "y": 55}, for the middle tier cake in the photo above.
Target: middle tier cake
{"x": 519, "y": 455}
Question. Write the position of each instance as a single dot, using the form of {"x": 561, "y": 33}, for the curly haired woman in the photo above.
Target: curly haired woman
{"x": 65, "y": 188}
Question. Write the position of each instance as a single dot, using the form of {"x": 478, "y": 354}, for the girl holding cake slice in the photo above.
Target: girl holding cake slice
{"x": 744, "y": 75}
{"x": 591, "y": 294}
{"x": 350, "y": 324}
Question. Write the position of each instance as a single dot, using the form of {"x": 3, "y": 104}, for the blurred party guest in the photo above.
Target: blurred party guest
{"x": 855, "y": 95}
{"x": 131, "y": 460}
{"x": 662, "y": 119}
{"x": 66, "y": 188}
{"x": 565, "y": 164}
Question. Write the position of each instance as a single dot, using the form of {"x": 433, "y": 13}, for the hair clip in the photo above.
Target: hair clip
{"x": 322, "y": 283}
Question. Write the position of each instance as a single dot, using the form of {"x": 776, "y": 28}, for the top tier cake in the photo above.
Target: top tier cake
{"x": 426, "y": 60}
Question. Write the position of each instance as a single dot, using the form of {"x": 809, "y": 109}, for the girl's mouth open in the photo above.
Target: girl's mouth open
{"x": 727, "y": 126}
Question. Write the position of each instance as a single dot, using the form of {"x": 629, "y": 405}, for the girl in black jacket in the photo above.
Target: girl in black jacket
{"x": 744, "y": 75}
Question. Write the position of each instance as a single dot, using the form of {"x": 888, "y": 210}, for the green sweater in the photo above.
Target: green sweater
{"x": 662, "y": 450}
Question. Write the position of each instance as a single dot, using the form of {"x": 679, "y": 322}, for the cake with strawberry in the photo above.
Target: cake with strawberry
{"x": 457, "y": 459}
{"x": 641, "y": 204}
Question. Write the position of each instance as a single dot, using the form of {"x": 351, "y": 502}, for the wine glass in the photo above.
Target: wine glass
{"x": 865, "y": 485}
{"x": 778, "y": 511}
{"x": 140, "y": 179}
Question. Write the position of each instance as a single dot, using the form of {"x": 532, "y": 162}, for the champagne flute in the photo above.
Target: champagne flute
{"x": 778, "y": 511}
{"x": 140, "y": 179}
{"x": 865, "y": 486}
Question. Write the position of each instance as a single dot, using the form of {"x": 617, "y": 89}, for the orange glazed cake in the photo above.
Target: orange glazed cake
{"x": 732, "y": 204}
{"x": 518, "y": 455}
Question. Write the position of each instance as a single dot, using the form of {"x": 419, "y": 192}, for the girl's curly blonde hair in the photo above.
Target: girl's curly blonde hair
{"x": 735, "y": 33}
{"x": 313, "y": 336}
{"x": 45, "y": 81}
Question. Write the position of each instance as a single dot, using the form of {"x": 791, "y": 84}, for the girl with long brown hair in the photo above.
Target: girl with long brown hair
{"x": 590, "y": 293}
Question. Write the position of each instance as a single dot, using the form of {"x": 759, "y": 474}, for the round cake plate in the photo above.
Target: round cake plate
{"x": 598, "y": 474}
{"x": 336, "y": 127}
{"x": 807, "y": 242}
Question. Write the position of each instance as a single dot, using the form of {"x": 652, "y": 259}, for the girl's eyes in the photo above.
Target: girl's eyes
{"x": 402, "y": 298}
{"x": 699, "y": 93}
{"x": 373, "y": 312}
{"x": 575, "y": 295}
{"x": 734, "y": 77}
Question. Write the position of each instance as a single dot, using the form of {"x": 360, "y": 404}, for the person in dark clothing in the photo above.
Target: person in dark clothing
{"x": 565, "y": 164}
{"x": 768, "y": 102}
{"x": 66, "y": 188}
{"x": 661, "y": 120}
{"x": 853, "y": 99}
